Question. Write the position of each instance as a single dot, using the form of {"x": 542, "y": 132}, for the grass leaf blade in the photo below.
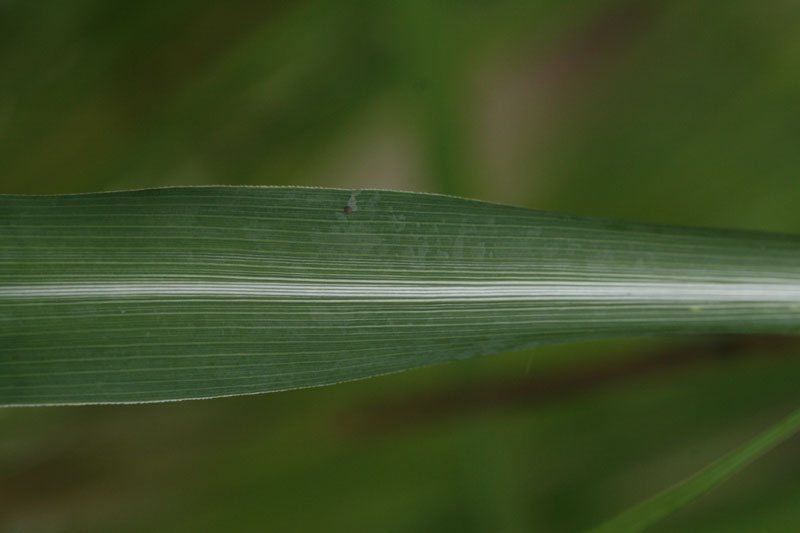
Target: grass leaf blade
{"x": 197, "y": 292}
{"x": 650, "y": 511}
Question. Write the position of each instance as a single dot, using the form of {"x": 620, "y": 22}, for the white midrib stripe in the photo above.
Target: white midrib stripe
{"x": 779, "y": 291}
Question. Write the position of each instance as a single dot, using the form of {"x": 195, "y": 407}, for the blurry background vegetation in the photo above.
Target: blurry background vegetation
{"x": 675, "y": 112}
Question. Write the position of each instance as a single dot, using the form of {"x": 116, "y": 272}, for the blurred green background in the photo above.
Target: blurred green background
{"x": 675, "y": 112}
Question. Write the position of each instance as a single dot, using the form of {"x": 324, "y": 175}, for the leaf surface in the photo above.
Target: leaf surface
{"x": 198, "y": 292}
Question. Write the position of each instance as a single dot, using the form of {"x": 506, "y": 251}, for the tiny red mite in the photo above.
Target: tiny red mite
{"x": 348, "y": 210}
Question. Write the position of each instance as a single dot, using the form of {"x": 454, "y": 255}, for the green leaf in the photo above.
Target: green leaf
{"x": 179, "y": 293}
{"x": 650, "y": 511}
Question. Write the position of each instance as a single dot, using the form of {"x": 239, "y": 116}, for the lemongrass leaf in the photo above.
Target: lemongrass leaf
{"x": 197, "y": 292}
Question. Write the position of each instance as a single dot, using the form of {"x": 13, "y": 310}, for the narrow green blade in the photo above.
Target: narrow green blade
{"x": 650, "y": 511}
{"x": 178, "y": 293}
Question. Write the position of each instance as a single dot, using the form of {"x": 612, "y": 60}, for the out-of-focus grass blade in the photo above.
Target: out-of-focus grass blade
{"x": 650, "y": 511}
{"x": 181, "y": 293}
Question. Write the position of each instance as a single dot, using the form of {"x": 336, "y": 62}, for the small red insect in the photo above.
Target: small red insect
{"x": 348, "y": 210}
